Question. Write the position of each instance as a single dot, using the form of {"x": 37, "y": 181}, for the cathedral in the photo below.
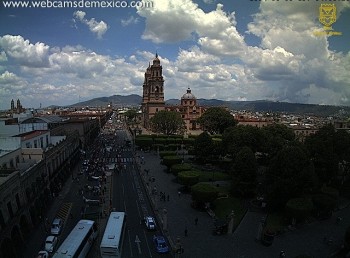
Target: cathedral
{"x": 18, "y": 108}
{"x": 153, "y": 99}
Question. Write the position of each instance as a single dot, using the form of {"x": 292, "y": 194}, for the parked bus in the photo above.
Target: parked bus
{"x": 79, "y": 241}
{"x": 112, "y": 240}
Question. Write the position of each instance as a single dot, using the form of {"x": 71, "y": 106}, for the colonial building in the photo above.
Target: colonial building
{"x": 190, "y": 111}
{"x": 153, "y": 91}
{"x": 153, "y": 99}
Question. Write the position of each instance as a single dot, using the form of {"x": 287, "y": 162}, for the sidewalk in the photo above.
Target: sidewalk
{"x": 200, "y": 243}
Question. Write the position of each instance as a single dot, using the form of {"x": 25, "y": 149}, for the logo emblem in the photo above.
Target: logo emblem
{"x": 328, "y": 14}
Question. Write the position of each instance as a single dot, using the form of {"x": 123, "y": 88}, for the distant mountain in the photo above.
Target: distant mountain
{"x": 258, "y": 105}
{"x": 116, "y": 100}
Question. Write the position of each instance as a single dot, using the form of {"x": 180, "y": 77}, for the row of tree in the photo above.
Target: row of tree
{"x": 294, "y": 169}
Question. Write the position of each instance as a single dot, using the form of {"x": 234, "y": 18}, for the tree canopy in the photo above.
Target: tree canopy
{"x": 245, "y": 166}
{"x": 328, "y": 148}
{"x": 203, "y": 146}
{"x": 167, "y": 122}
{"x": 216, "y": 119}
{"x": 131, "y": 114}
{"x": 235, "y": 138}
{"x": 290, "y": 175}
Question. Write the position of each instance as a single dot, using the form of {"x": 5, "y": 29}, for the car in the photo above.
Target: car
{"x": 43, "y": 254}
{"x": 56, "y": 226}
{"x": 150, "y": 223}
{"x": 160, "y": 244}
{"x": 51, "y": 243}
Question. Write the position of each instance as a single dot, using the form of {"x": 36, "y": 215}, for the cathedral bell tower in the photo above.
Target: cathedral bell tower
{"x": 153, "y": 91}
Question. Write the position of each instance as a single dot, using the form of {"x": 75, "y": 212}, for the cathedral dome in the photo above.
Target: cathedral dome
{"x": 188, "y": 95}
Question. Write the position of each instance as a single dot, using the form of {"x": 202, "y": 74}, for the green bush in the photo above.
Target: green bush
{"x": 204, "y": 192}
{"x": 299, "y": 208}
{"x": 162, "y": 154}
{"x": 175, "y": 169}
{"x": 188, "y": 141}
{"x": 332, "y": 192}
{"x": 169, "y": 161}
{"x": 160, "y": 147}
{"x": 173, "y": 147}
{"x": 188, "y": 178}
{"x": 159, "y": 140}
{"x": 144, "y": 142}
{"x": 324, "y": 202}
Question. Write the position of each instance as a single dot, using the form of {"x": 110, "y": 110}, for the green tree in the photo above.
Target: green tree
{"x": 131, "y": 115}
{"x": 290, "y": 175}
{"x": 245, "y": 165}
{"x": 275, "y": 137}
{"x": 167, "y": 122}
{"x": 203, "y": 146}
{"x": 216, "y": 119}
{"x": 234, "y": 138}
{"x": 321, "y": 147}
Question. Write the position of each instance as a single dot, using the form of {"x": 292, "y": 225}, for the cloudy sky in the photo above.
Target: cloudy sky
{"x": 229, "y": 50}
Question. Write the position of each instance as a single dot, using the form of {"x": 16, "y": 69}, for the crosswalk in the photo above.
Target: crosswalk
{"x": 64, "y": 210}
{"x": 122, "y": 160}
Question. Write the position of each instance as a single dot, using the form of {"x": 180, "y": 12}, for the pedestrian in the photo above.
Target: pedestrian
{"x": 196, "y": 221}
{"x": 168, "y": 197}
{"x": 282, "y": 254}
{"x": 185, "y": 232}
{"x": 179, "y": 193}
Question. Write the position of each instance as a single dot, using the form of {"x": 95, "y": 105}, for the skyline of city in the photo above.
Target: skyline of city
{"x": 248, "y": 51}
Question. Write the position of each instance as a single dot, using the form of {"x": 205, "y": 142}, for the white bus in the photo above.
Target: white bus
{"x": 79, "y": 241}
{"x": 112, "y": 240}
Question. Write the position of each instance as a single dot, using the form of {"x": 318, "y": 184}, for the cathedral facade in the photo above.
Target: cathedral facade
{"x": 153, "y": 99}
{"x": 153, "y": 92}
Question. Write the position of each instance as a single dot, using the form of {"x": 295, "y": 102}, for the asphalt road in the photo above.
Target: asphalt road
{"x": 129, "y": 195}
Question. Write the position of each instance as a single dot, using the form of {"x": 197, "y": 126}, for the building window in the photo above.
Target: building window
{"x": 35, "y": 144}
{"x": 41, "y": 142}
{"x": 11, "y": 163}
{"x": 156, "y": 109}
{"x": 27, "y": 144}
{"x": 17, "y": 160}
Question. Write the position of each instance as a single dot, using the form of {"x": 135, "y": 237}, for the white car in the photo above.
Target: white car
{"x": 150, "y": 223}
{"x": 56, "y": 226}
{"x": 51, "y": 243}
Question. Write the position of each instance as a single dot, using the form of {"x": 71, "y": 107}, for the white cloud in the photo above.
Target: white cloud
{"x": 290, "y": 64}
{"x": 24, "y": 52}
{"x": 130, "y": 20}
{"x": 215, "y": 30}
{"x": 3, "y": 56}
{"x": 99, "y": 28}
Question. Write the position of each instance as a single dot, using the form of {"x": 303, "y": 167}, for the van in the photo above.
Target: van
{"x": 56, "y": 226}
